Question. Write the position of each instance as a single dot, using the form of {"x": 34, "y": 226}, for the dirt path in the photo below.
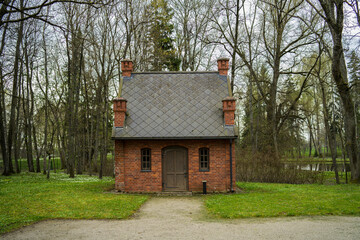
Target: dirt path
{"x": 183, "y": 218}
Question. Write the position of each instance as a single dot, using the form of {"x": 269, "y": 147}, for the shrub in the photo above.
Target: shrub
{"x": 264, "y": 167}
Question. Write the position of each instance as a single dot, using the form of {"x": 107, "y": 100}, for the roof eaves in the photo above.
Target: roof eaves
{"x": 173, "y": 138}
{"x": 175, "y": 72}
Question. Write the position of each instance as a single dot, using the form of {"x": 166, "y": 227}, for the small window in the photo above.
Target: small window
{"x": 145, "y": 159}
{"x": 204, "y": 159}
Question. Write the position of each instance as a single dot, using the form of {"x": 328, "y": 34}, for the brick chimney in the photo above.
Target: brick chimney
{"x": 119, "y": 111}
{"x": 229, "y": 105}
{"x": 223, "y": 66}
{"x": 126, "y": 67}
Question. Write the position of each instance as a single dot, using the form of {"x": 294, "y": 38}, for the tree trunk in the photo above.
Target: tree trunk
{"x": 2, "y": 108}
{"x": 310, "y": 136}
{"x": 343, "y": 151}
{"x": 330, "y": 131}
{"x": 38, "y": 153}
{"x": 6, "y": 170}
{"x": 335, "y": 19}
{"x": 317, "y": 139}
{"x": 236, "y": 41}
{"x": 17, "y": 142}
{"x": 45, "y": 147}
{"x": 28, "y": 110}
{"x": 14, "y": 99}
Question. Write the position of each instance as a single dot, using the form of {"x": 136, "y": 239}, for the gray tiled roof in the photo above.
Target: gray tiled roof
{"x": 174, "y": 105}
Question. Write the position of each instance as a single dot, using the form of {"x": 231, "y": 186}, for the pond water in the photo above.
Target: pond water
{"x": 320, "y": 167}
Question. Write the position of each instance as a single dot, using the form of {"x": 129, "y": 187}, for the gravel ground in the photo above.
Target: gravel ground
{"x": 184, "y": 218}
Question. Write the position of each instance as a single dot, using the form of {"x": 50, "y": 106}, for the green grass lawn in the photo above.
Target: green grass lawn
{"x": 29, "y": 197}
{"x": 55, "y": 163}
{"x": 273, "y": 200}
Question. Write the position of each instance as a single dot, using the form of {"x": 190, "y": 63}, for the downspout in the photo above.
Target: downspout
{"x": 231, "y": 168}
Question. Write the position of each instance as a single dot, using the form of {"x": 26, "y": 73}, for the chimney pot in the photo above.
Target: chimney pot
{"x": 119, "y": 111}
{"x": 126, "y": 67}
{"x": 229, "y": 107}
{"x": 223, "y": 66}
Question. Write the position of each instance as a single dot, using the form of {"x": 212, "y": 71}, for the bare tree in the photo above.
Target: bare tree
{"x": 277, "y": 43}
{"x": 354, "y": 4}
{"x": 191, "y": 21}
{"x": 75, "y": 59}
{"x": 10, "y": 12}
{"x": 14, "y": 101}
{"x": 322, "y": 73}
{"x": 3, "y": 105}
{"x": 332, "y": 11}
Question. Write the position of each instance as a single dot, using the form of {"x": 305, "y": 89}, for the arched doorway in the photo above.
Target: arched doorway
{"x": 175, "y": 168}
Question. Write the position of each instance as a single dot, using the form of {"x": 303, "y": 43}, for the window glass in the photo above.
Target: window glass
{"x": 145, "y": 159}
{"x": 204, "y": 159}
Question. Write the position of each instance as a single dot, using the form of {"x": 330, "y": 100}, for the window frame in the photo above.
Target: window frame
{"x": 201, "y": 155}
{"x": 147, "y": 162}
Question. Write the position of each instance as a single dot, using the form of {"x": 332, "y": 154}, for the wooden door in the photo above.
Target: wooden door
{"x": 175, "y": 169}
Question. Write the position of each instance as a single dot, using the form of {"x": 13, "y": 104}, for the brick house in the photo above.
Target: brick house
{"x": 174, "y": 130}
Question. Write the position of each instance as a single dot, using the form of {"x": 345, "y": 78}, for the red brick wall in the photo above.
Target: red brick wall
{"x": 129, "y": 178}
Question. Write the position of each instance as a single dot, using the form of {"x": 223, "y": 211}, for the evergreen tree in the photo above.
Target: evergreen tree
{"x": 354, "y": 72}
{"x": 159, "y": 40}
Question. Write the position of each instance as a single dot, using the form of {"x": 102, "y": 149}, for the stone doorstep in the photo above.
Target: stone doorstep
{"x": 174, "y": 194}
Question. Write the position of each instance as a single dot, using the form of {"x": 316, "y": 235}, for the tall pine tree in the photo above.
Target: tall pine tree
{"x": 354, "y": 72}
{"x": 161, "y": 52}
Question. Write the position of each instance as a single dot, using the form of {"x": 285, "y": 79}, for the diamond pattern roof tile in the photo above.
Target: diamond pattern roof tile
{"x": 174, "y": 105}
